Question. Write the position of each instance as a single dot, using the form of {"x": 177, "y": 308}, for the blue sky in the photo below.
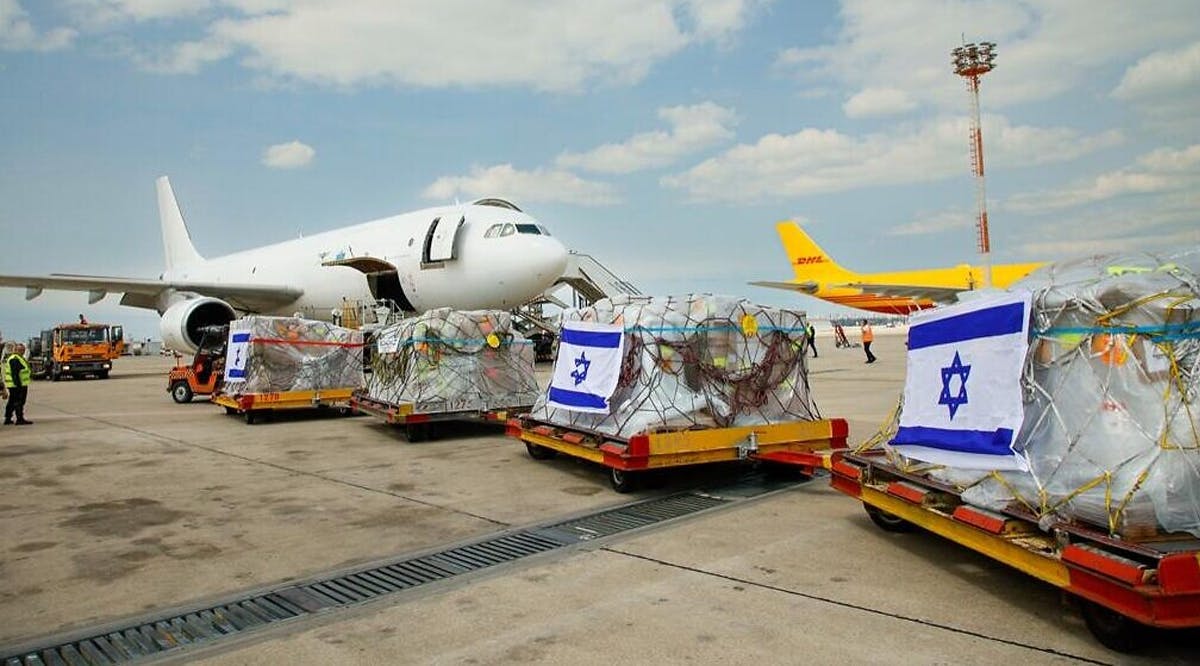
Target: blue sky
{"x": 663, "y": 137}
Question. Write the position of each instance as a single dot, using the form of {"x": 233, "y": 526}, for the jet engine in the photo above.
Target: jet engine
{"x": 181, "y": 323}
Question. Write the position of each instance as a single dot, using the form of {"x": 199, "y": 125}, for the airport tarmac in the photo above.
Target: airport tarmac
{"x": 118, "y": 501}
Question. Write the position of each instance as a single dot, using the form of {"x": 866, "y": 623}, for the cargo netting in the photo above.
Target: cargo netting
{"x": 292, "y": 354}
{"x": 697, "y": 361}
{"x": 451, "y": 361}
{"x": 1111, "y": 428}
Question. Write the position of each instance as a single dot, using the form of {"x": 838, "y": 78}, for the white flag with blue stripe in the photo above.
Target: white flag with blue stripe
{"x": 237, "y": 351}
{"x": 588, "y": 366}
{"x": 962, "y": 393}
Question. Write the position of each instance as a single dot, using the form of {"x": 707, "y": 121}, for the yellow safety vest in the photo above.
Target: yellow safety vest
{"x": 25, "y": 375}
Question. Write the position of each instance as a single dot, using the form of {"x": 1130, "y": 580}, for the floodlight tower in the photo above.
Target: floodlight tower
{"x": 972, "y": 61}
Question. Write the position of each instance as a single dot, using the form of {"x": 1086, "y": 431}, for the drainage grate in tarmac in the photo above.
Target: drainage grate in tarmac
{"x": 160, "y": 635}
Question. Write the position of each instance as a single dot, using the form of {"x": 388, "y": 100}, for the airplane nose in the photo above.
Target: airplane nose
{"x": 549, "y": 259}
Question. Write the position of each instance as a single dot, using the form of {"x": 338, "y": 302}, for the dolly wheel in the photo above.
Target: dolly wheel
{"x": 887, "y": 521}
{"x": 251, "y": 417}
{"x": 232, "y": 411}
{"x": 540, "y": 452}
{"x": 623, "y": 481}
{"x": 416, "y": 432}
{"x": 1113, "y": 630}
{"x": 181, "y": 392}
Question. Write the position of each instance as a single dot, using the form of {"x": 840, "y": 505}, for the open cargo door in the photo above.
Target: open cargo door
{"x": 439, "y": 240}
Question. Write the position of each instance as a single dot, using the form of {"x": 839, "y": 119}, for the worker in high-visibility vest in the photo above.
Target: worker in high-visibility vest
{"x": 17, "y": 375}
{"x": 868, "y": 336}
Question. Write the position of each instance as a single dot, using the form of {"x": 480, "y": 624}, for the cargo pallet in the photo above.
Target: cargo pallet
{"x": 417, "y": 424}
{"x": 805, "y": 446}
{"x": 253, "y": 406}
{"x": 1124, "y": 586}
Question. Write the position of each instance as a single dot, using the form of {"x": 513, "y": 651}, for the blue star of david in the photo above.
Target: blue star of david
{"x": 585, "y": 363}
{"x": 956, "y": 367}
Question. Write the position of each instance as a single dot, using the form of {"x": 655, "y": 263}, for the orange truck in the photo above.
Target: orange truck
{"x": 76, "y": 350}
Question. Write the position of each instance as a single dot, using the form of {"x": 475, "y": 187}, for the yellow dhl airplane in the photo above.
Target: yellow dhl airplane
{"x": 899, "y": 292}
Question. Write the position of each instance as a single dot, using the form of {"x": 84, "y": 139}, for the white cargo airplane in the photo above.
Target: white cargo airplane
{"x": 487, "y": 254}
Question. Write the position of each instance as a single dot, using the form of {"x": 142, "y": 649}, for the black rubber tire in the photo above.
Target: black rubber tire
{"x": 104, "y": 374}
{"x": 623, "y": 481}
{"x": 231, "y": 411}
{"x": 888, "y": 522}
{"x": 1114, "y": 631}
{"x": 250, "y": 416}
{"x": 539, "y": 452}
{"x": 416, "y": 432}
{"x": 181, "y": 392}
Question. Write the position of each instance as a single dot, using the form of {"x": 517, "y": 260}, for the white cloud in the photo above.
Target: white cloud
{"x": 1042, "y": 50}
{"x": 18, "y": 34}
{"x": 1165, "y": 224}
{"x": 878, "y": 102}
{"x": 1161, "y": 73}
{"x": 932, "y": 223}
{"x": 557, "y": 46}
{"x": 543, "y": 185}
{"x": 185, "y": 58}
{"x": 693, "y": 128}
{"x": 815, "y": 161}
{"x": 290, "y": 155}
{"x": 102, "y": 14}
{"x": 1163, "y": 170}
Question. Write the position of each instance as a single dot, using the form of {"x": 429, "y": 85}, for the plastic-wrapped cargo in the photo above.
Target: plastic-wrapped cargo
{"x": 452, "y": 361}
{"x": 291, "y": 354}
{"x": 1111, "y": 428}
{"x": 697, "y": 361}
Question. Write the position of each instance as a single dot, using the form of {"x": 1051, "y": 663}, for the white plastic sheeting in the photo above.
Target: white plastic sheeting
{"x": 1112, "y": 421}
{"x": 451, "y": 360}
{"x": 291, "y": 354}
{"x": 698, "y": 361}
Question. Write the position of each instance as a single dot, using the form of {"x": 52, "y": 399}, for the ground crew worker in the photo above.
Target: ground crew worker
{"x": 5, "y": 350}
{"x": 868, "y": 336}
{"x": 811, "y": 333}
{"x": 17, "y": 375}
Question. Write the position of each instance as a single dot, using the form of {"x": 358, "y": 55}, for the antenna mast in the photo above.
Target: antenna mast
{"x": 972, "y": 61}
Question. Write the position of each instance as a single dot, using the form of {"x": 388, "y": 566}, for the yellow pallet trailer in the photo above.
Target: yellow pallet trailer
{"x": 1123, "y": 585}
{"x": 805, "y": 445}
{"x": 252, "y": 406}
{"x": 417, "y": 423}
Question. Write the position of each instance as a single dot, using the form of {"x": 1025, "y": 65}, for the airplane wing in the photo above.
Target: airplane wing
{"x": 913, "y": 291}
{"x": 807, "y": 287}
{"x": 141, "y": 292}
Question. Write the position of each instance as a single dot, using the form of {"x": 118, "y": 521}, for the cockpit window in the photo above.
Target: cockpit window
{"x": 493, "y": 231}
{"x": 508, "y": 230}
{"x": 529, "y": 229}
{"x": 545, "y": 231}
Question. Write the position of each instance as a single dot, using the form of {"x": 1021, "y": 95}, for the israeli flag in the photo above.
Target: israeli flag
{"x": 962, "y": 394}
{"x": 237, "y": 351}
{"x": 588, "y": 366}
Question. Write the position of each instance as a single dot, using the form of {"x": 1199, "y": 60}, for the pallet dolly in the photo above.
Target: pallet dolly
{"x": 803, "y": 445}
{"x": 1124, "y": 586}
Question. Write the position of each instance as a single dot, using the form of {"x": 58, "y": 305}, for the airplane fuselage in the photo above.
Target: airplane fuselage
{"x": 501, "y": 271}
{"x": 961, "y": 277}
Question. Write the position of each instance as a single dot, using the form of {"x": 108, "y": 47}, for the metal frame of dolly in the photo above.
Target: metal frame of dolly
{"x": 1124, "y": 586}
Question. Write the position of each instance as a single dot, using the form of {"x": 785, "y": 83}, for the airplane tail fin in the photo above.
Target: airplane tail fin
{"x": 177, "y": 244}
{"x": 808, "y": 260}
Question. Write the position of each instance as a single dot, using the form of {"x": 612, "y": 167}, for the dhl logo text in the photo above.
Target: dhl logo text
{"x": 800, "y": 261}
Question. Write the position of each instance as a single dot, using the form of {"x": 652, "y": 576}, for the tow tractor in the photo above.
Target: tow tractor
{"x": 1123, "y": 585}
{"x": 204, "y": 374}
{"x": 804, "y": 446}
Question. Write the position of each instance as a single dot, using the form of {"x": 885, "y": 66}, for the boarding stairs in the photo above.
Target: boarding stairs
{"x": 586, "y": 281}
